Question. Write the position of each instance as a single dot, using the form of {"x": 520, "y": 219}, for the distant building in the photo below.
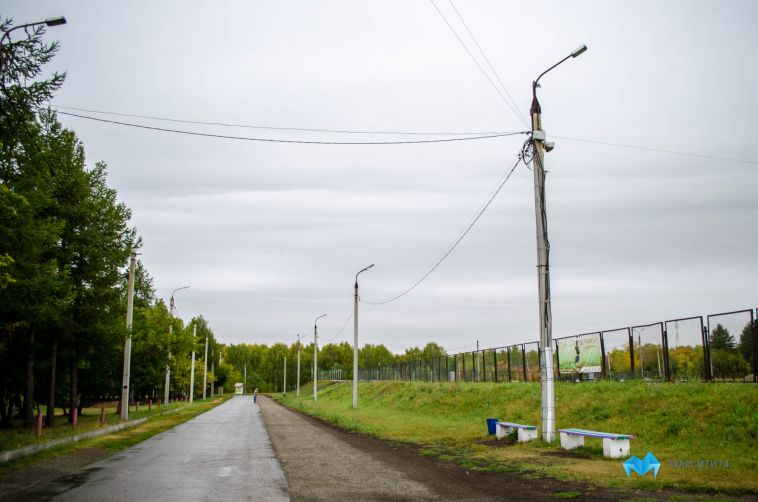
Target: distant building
{"x": 239, "y": 388}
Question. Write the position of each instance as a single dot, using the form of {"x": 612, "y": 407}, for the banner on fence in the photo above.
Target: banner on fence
{"x": 580, "y": 354}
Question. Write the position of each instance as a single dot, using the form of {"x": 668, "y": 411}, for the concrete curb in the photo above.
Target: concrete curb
{"x": 7, "y": 456}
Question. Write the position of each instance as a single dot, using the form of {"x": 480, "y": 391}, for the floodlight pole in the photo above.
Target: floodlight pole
{"x": 315, "y": 357}
{"x": 543, "y": 261}
{"x": 355, "y": 340}
{"x": 128, "y": 341}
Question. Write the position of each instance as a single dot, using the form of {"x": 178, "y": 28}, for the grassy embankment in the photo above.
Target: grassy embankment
{"x": 678, "y": 423}
{"x": 160, "y": 418}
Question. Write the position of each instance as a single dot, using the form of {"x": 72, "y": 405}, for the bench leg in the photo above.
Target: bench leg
{"x": 615, "y": 448}
{"x": 501, "y": 431}
{"x": 571, "y": 441}
{"x": 525, "y": 435}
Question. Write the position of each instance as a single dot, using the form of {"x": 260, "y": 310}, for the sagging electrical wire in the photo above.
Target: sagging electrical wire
{"x": 447, "y": 253}
{"x": 293, "y": 141}
{"x": 274, "y": 128}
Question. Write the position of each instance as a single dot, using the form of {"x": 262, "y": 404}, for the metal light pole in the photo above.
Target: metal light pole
{"x": 167, "y": 384}
{"x": 285, "y": 376}
{"x": 128, "y": 342}
{"x": 315, "y": 357}
{"x": 543, "y": 259}
{"x": 192, "y": 371}
{"x": 355, "y": 340}
{"x": 297, "y": 391}
{"x": 52, "y": 21}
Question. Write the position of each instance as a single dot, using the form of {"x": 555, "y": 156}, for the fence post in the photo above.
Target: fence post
{"x": 557, "y": 360}
{"x": 464, "y": 366}
{"x": 631, "y": 348}
{"x": 494, "y": 361}
{"x": 508, "y": 358}
{"x": 666, "y": 367}
{"x": 523, "y": 358}
{"x": 755, "y": 344}
{"x": 455, "y": 368}
{"x": 603, "y": 361}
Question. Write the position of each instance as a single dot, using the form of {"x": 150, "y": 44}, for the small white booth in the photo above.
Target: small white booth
{"x": 239, "y": 388}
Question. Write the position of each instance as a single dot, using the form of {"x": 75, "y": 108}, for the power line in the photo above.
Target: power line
{"x": 274, "y": 128}
{"x": 301, "y": 142}
{"x": 342, "y": 328}
{"x": 658, "y": 150}
{"x": 494, "y": 86}
{"x": 487, "y": 60}
{"x": 457, "y": 241}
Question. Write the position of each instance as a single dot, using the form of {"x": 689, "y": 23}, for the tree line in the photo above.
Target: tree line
{"x": 264, "y": 365}
{"x": 65, "y": 241}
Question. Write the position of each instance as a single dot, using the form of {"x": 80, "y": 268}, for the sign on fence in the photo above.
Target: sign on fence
{"x": 580, "y": 354}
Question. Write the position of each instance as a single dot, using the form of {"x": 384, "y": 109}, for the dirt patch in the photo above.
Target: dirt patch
{"x": 446, "y": 477}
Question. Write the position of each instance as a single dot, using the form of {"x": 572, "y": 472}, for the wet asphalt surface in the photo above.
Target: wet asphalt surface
{"x": 224, "y": 454}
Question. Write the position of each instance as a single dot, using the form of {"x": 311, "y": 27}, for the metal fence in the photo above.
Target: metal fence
{"x": 715, "y": 348}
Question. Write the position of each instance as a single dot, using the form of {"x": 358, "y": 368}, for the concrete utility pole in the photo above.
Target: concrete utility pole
{"x": 128, "y": 342}
{"x": 297, "y": 391}
{"x": 213, "y": 372}
{"x": 172, "y": 309}
{"x": 543, "y": 260}
{"x": 244, "y": 385}
{"x": 285, "y": 376}
{"x": 205, "y": 369}
{"x": 315, "y": 357}
{"x": 355, "y": 340}
{"x": 192, "y": 372}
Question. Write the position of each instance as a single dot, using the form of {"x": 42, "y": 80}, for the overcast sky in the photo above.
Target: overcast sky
{"x": 270, "y": 235}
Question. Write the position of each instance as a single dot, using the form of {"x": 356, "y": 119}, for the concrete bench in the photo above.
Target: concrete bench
{"x": 525, "y": 432}
{"x": 614, "y": 445}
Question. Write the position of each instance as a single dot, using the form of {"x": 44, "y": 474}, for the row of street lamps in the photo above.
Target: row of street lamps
{"x": 540, "y": 146}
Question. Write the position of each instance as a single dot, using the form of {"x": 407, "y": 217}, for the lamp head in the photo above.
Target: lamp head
{"x": 55, "y": 21}
{"x": 578, "y": 51}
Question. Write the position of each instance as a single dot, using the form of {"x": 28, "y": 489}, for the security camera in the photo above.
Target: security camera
{"x": 549, "y": 145}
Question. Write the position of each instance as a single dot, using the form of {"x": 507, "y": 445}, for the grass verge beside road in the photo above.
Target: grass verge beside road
{"x": 102, "y": 446}
{"x": 704, "y": 435}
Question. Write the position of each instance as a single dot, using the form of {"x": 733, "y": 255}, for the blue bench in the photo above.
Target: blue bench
{"x": 614, "y": 445}
{"x": 525, "y": 432}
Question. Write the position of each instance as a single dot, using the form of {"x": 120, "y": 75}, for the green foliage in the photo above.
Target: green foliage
{"x": 721, "y": 338}
{"x": 747, "y": 345}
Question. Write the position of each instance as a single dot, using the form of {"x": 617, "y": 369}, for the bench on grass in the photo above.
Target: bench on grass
{"x": 614, "y": 445}
{"x": 525, "y": 432}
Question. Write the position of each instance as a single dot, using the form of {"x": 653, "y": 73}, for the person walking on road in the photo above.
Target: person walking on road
{"x": 255, "y": 395}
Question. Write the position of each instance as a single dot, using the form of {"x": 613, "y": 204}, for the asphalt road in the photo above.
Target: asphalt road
{"x": 224, "y": 454}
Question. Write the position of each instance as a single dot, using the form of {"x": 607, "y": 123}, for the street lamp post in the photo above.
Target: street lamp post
{"x": 315, "y": 357}
{"x": 128, "y": 341}
{"x": 297, "y": 391}
{"x": 52, "y": 21}
{"x": 355, "y": 340}
{"x": 167, "y": 384}
{"x": 543, "y": 259}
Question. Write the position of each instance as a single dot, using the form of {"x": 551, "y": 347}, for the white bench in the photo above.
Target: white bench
{"x": 614, "y": 445}
{"x": 525, "y": 432}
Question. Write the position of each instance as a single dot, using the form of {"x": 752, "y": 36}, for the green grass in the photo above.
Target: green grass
{"x": 17, "y": 437}
{"x": 160, "y": 417}
{"x": 677, "y": 422}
